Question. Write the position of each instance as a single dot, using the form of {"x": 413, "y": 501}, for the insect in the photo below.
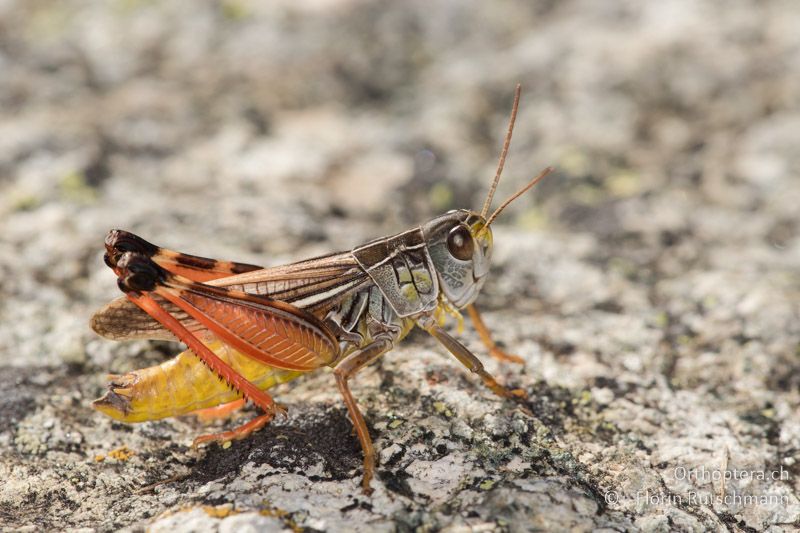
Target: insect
{"x": 254, "y": 327}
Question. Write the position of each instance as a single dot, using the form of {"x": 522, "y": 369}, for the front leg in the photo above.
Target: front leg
{"x": 467, "y": 358}
{"x": 486, "y": 338}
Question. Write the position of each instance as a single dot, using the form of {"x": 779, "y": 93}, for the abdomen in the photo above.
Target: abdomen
{"x": 182, "y": 385}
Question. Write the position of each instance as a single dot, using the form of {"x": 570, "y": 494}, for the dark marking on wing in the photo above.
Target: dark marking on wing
{"x": 123, "y": 320}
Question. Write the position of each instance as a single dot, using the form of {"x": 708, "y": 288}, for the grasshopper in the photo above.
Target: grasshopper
{"x": 254, "y": 327}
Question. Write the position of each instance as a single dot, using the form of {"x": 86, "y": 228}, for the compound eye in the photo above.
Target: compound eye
{"x": 460, "y": 243}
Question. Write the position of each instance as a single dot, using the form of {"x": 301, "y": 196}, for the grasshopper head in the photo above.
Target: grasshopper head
{"x": 460, "y": 244}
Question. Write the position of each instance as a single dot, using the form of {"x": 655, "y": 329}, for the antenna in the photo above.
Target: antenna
{"x": 519, "y": 193}
{"x": 488, "y": 203}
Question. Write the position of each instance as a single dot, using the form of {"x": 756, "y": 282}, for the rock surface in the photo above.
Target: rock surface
{"x": 652, "y": 285}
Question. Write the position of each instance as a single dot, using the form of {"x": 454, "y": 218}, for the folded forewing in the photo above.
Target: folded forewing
{"x": 273, "y": 332}
{"x": 121, "y": 319}
{"x": 315, "y": 285}
{"x": 193, "y": 267}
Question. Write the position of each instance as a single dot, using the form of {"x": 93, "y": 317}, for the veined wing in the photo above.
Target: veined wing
{"x": 273, "y": 332}
{"x": 121, "y": 319}
{"x": 315, "y": 285}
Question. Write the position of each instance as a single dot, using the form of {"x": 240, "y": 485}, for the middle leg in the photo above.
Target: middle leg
{"x": 345, "y": 370}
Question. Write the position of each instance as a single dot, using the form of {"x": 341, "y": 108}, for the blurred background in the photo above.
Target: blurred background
{"x": 664, "y": 249}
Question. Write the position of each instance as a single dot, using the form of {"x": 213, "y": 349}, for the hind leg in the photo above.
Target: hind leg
{"x": 220, "y": 411}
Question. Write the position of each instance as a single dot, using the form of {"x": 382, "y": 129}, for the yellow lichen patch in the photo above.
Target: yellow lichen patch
{"x": 76, "y": 188}
{"x": 282, "y": 515}
{"x": 273, "y": 513}
{"x": 396, "y": 423}
{"x": 99, "y": 458}
{"x": 624, "y": 183}
{"x": 21, "y": 200}
{"x": 235, "y": 11}
{"x": 532, "y": 219}
{"x": 219, "y": 511}
{"x": 123, "y": 453}
{"x": 442, "y": 409}
{"x": 487, "y": 484}
{"x": 574, "y": 161}
{"x": 585, "y": 398}
{"x": 441, "y": 196}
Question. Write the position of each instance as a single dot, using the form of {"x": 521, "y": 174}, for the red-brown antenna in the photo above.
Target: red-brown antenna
{"x": 519, "y": 193}
{"x": 488, "y": 203}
